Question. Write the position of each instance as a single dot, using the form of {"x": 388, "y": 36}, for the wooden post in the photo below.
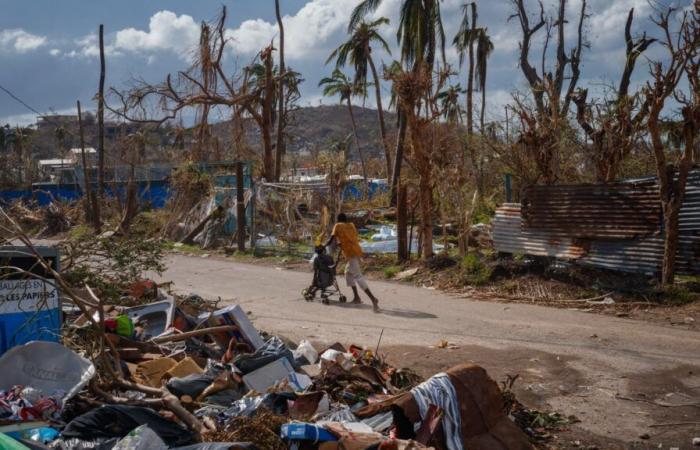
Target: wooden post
{"x": 101, "y": 118}
{"x": 402, "y": 223}
{"x": 240, "y": 207}
{"x": 253, "y": 232}
{"x": 92, "y": 208}
{"x": 280, "y": 148}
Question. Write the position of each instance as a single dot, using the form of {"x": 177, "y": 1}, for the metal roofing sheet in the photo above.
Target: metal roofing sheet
{"x": 642, "y": 254}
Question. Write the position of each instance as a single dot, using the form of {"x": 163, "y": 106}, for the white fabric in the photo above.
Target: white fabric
{"x": 440, "y": 392}
{"x": 353, "y": 274}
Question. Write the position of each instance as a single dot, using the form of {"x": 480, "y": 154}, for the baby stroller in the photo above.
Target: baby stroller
{"x": 324, "y": 279}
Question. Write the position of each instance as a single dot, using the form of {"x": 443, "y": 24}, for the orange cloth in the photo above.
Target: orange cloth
{"x": 348, "y": 239}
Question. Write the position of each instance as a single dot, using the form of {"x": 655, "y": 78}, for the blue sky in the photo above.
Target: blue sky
{"x": 48, "y": 48}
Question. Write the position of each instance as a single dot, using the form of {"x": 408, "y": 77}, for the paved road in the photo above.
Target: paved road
{"x": 604, "y": 350}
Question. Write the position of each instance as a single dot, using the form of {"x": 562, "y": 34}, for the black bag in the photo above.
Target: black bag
{"x": 116, "y": 421}
{"x": 273, "y": 350}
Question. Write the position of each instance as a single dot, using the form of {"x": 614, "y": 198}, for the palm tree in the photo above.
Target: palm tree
{"x": 484, "y": 48}
{"x": 339, "y": 84}
{"x": 358, "y": 49}
{"x": 420, "y": 33}
{"x": 449, "y": 103}
{"x": 464, "y": 42}
{"x": 60, "y": 134}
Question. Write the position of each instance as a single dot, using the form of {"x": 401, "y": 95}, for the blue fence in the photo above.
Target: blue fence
{"x": 150, "y": 193}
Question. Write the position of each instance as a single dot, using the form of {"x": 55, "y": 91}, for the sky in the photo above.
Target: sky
{"x": 49, "y": 56}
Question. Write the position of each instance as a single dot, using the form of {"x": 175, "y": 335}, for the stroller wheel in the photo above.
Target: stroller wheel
{"x": 307, "y": 296}
{"x": 342, "y": 299}
{"x": 325, "y": 301}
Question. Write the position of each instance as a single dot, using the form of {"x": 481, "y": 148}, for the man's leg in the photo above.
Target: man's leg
{"x": 360, "y": 281}
{"x": 350, "y": 280}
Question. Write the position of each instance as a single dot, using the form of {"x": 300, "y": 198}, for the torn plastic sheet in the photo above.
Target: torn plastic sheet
{"x": 381, "y": 422}
{"x": 46, "y": 366}
{"x": 391, "y": 246}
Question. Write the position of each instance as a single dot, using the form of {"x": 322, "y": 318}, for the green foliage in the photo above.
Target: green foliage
{"x": 109, "y": 264}
{"x": 518, "y": 256}
{"x": 189, "y": 178}
{"x": 677, "y": 294}
{"x": 474, "y": 271}
{"x": 391, "y": 271}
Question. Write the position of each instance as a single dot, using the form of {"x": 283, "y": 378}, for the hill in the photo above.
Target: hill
{"x": 318, "y": 126}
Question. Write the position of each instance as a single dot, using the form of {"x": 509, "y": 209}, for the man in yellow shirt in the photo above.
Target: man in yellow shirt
{"x": 345, "y": 235}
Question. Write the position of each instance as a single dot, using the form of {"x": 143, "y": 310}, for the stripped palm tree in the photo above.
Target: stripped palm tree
{"x": 484, "y": 48}
{"x": 467, "y": 36}
{"x": 420, "y": 35}
{"x": 358, "y": 50}
{"x": 449, "y": 103}
{"x": 339, "y": 84}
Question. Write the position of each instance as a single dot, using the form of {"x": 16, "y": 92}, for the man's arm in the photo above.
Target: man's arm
{"x": 332, "y": 238}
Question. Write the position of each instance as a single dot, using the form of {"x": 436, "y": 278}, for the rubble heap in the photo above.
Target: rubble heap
{"x": 183, "y": 373}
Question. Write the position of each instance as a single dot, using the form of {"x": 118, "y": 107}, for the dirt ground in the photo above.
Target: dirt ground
{"x": 531, "y": 290}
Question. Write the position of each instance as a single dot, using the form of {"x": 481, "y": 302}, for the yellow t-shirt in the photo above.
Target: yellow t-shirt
{"x": 349, "y": 241}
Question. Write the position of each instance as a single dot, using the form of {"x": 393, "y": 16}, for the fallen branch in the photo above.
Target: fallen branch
{"x": 673, "y": 424}
{"x": 658, "y": 403}
{"x": 189, "y": 334}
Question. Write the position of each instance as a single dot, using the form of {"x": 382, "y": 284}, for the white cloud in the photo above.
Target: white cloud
{"x": 166, "y": 31}
{"x": 89, "y": 47}
{"x": 55, "y": 52}
{"x": 307, "y": 33}
{"x": 20, "y": 40}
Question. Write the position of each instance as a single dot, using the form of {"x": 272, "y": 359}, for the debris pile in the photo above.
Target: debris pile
{"x": 183, "y": 373}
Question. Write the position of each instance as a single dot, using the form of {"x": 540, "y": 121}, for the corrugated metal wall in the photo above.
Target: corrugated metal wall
{"x": 639, "y": 255}
{"x": 612, "y": 211}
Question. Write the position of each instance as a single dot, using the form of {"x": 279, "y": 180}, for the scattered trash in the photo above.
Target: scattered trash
{"x": 141, "y": 438}
{"x": 117, "y": 421}
{"x": 406, "y": 274}
{"x": 45, "y": 370}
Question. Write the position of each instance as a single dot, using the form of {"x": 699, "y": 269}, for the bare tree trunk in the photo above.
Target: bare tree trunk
{"x": 131, "y": 207}
{"x": 398, "y": 157}
{"x": 470, "y": 107}
{"x": 266, "y": 121}
{"x": 101, "y": 118}
{"x": 359, "y": 149}
{"x": 280, "y": 149}
{"x": 671, "y": 221}
{"x": 426, "y": 216}
{"x": 380, "y": 112}
{"x": 483, "y": 106}
{"x": 470, "y": 78}
{"x": 240, "y": 208}
{"x": 402, "y": 223}
{"x": 92, "y": 207}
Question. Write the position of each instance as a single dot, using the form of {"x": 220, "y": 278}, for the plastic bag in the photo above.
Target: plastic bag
{"x": 141, "y": 438}
{"x": 271, "y": 351}
{"x": 116, "y": 421}
{"x": 46, "y": 366}
{"x": 306, "y": 350}
{"x": 191, "y": 385}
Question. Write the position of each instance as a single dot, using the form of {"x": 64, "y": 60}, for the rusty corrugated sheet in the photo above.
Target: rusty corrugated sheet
{"x": 639, "y": 255}
{"x": 645, "y": 255}
{"x": 510, "y": 237}
{"x": 622, "y": 210}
